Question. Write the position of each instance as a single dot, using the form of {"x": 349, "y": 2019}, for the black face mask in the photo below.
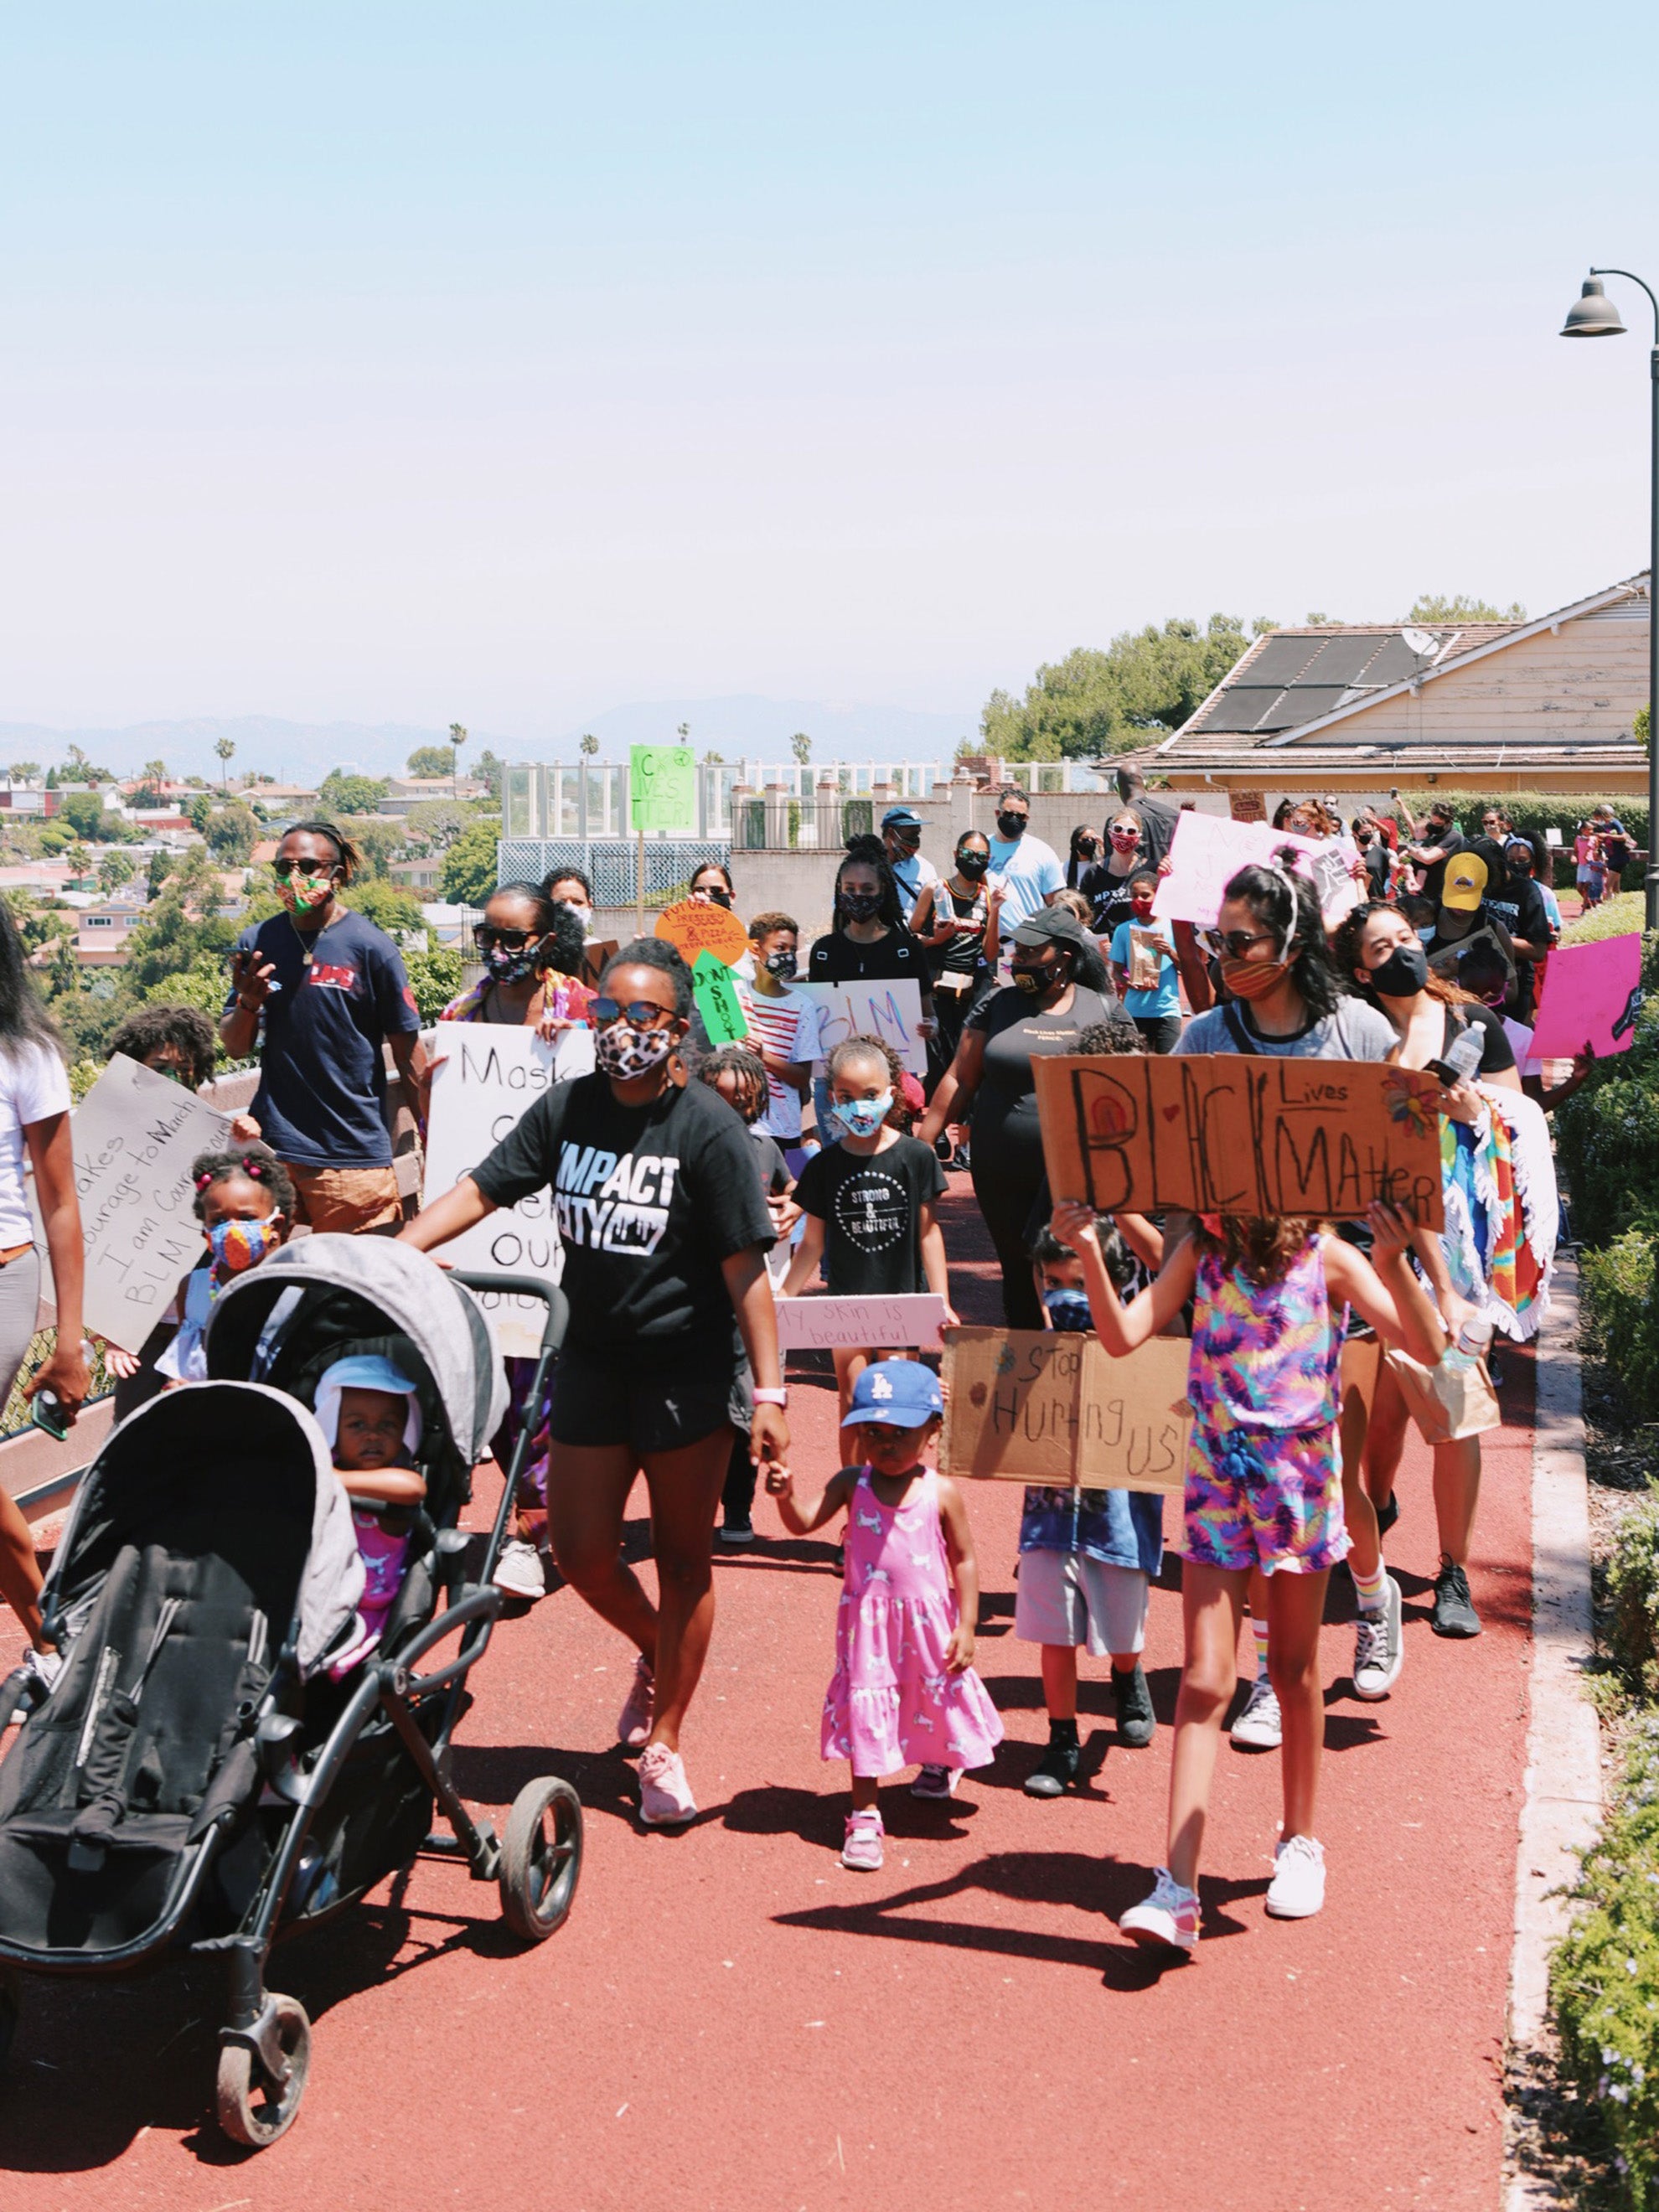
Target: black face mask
{"x": 1012, "y": 826}
{"x": 973, "y": 865}
{"x": 860, "y": 906}
{"x": 1403, "y": 974}
{"x": 782, "y": 963}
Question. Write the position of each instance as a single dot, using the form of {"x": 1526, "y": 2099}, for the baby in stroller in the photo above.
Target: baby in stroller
{"x": 369, "y": 1413}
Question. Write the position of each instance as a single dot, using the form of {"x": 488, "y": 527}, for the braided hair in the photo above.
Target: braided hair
{"x": 869, "y": 851}
{"x": 743, "y": 1062}
{"x": 255, "y": 1163}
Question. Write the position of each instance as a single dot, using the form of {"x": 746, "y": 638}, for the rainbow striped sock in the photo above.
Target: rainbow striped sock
{"x": 1259, "y": 1630}
{"x": 1369, "y": 1589}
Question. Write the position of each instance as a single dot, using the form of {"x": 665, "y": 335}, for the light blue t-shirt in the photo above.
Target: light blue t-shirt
{"x": 1029, "y": 870}
{"x": 1150, "y": 1006}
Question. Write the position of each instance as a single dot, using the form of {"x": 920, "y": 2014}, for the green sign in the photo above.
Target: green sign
{"x": 662, "y": 789}
{"x": 718, "y": 1003}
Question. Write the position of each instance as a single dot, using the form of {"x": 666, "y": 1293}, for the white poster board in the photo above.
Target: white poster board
{"x": 814, "y": 1324}
{"x": 487, "y": 1075}
{"x": 891, "y": 1009}
{"x": 135, "y": 1135}
{"x": 1208, "y": 848}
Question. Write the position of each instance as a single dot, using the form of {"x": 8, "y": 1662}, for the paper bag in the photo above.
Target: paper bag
{"x": 1447, "y": 1402}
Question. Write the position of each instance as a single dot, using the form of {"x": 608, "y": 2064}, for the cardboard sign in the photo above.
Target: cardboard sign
{"x": 488, "y": 1075}
{"x": 697, "y": 926}
{"x": 866, "y": 1324}
{"x": 889, "y": 1010}
{"x": 718, "y": 1002}
{"x": 135, "y": 1135}
{"x": 1248, "y": 805}
{"x": 1208, "y": 851}
{"x": 1227, "y": 1132}
{"x": 662, "y": 789}
{"x": 595, "y": 957}
{"x": 1031, "y": 1405}
{"x": 1592, "y": 995}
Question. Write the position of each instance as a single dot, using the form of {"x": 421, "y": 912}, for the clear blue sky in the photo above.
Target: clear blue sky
{"x": 509, "y": 363}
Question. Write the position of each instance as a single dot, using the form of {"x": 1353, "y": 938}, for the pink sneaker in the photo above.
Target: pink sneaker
{"x": 665, "y": 1799}
{"x": 862, "y": 1850}
{"x": 634, "y": 1722}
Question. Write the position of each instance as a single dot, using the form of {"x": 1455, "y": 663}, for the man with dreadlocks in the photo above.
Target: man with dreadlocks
{"x": 329, "y": 990}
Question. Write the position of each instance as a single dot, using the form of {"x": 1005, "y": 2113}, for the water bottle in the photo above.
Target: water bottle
{"x": 1470, "y": 1349}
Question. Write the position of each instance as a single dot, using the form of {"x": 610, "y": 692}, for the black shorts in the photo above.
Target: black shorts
{"x": 651, "y": 1400}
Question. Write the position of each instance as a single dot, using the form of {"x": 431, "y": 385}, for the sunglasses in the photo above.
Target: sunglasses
{"x": 287, "y": 868}
{"x": 1233, "y": 944}
{"x": 639, "y": 1013}
{"x": 487, "y": 937}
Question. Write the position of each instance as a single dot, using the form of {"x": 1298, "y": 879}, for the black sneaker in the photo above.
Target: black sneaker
{"x": 1454, "y": 1611}
{"x": 1055, "y": 1772}
{"x": 1389, "y": 1514}
{"x": 1137, "y": 1723}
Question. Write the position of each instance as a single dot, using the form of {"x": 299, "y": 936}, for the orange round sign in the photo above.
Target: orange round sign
{"x": 694, "y": 927}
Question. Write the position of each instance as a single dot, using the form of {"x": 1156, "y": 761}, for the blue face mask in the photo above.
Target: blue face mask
{"x": 862, "y": 1117}
{"x": 1068, "y": 1310}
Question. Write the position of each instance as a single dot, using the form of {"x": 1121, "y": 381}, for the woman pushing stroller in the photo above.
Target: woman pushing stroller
{"x": 665, "y": 1234}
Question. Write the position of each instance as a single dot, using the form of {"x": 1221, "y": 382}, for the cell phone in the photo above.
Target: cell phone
{"x": 48, "y": 1412}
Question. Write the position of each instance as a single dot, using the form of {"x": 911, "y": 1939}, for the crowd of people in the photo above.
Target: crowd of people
{"x": 695, "y": 1186}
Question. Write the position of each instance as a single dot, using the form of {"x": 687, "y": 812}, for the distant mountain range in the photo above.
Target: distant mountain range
{"x": 743, "y": 725}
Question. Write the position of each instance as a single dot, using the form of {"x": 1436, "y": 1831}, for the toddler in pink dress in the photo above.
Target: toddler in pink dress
{"x": 904, "y": 1692}
{"x": 370, "y": 1416}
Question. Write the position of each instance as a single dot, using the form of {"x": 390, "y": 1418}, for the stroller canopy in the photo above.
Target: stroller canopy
{"x": 445, "y": 1323}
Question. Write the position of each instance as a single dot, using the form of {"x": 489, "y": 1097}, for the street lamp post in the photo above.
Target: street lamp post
{"x": 1593, "y": 315}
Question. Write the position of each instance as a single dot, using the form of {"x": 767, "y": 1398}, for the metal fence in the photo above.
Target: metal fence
{"x": 611, "y": 864}
{"x": 16, "y": 1417}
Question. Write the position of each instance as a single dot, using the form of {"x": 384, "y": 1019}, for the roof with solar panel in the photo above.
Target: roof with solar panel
{"x": 1563, "y": 687}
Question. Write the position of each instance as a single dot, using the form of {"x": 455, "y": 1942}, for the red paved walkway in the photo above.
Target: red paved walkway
{"x": 730, "y": 2021}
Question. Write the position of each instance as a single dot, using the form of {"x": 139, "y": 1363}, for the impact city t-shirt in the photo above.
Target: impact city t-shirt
{"x": 871, "y": 1206}
{"x": 648, "y": 1200}
{"x": 334, "y": 998}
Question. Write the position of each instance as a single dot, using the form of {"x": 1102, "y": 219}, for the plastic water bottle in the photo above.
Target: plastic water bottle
{"x": 1472, "y": 1339}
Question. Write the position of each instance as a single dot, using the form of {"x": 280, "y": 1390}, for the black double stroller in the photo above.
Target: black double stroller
{"x": 196, "y": 1777}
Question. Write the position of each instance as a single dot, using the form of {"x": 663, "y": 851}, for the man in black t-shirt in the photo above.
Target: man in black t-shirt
{"x": 1440, "y": 840}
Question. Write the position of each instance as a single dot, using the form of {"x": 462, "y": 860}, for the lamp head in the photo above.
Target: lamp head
{"x": 1592, "y": 314}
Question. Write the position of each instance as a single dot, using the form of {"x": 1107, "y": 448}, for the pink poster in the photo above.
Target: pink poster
{"x": 1592, "y": 994}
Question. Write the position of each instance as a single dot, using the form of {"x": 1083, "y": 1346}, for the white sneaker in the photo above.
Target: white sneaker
{"x": 1258, "y": 1728}
{"x": 519, "y": 1571}
{"x": 1168, "y": 1916}
{"x": 1379, "y": 1648}
{"x": 1297, "y": 1889}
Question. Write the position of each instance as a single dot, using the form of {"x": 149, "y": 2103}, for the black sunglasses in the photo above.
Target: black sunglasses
{"x": 487, "y": 937}
{"x": 286, "y": 868}
{"x": 641, "y": 1013}
{"x": 1233, "y": 944}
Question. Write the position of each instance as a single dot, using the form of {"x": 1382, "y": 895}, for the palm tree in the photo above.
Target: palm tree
{"x": 25, "y": 771}
{"x": 114, "y": 869}
{"x": 225, "y": 747}
{"x": 589, "y": 745}
{"x": 801, "y": 745}
{"x": 457, "y": 739}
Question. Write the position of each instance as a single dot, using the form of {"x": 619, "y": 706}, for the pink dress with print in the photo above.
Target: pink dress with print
{"x": 892, "y": 1702}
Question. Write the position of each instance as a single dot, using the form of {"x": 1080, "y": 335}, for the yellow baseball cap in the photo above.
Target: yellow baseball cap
{"x": 1465, "y": 883}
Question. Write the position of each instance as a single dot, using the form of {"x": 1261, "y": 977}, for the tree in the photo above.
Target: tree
{"x": 226, "y": 750}
{"x": 114, "y": 869}
{"x": 589, "y": 745}
{"x": 801, "y": 745}
{"x": 152, "y": 789}
{"x": 1435, "y": 607}
{"x": 1094, "y": 702}
{"x": 1642, "y": 725}
{"x": 231, "y": 833}
{"x": 432, "y": 761}
{"x": 345, "y": 793}
{"x": 77, "y": 859}
{"x": 457, "y": 739}
{"x": 385, "y": 905}
{"x": 24, "y": 771}
{"x": 82, "y": 770}
{"x": 712, "y": 759}
{"x": 469, "y": 871}
{"x": 84, "y": 814}
{"x": 439, "y": 820}
{"x": 489, "y": 771}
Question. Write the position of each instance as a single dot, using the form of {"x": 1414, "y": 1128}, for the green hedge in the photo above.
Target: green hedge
{"x": 1534, "y": 812}
{"x": 1622, "y": 1316}
{"x": 1604, "y": 1979}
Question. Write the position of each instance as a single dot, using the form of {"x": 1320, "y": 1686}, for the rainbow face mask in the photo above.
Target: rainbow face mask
{"x": 239, "y": 1245}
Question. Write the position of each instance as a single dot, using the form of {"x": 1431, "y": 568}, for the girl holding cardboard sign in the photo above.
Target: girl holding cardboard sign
{"x": 1263, "y": 1489}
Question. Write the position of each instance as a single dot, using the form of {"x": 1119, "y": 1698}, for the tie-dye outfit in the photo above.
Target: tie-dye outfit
{"x": 892, "y": 1701}
{"x": 1264, "y": 1472}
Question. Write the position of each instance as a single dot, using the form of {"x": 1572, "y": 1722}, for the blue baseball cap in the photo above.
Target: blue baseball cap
{"x": 898, "y": 1393}
{"x": 901, "y": 817}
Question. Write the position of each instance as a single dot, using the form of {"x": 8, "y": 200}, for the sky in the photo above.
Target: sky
{"x": 396, "y": 363}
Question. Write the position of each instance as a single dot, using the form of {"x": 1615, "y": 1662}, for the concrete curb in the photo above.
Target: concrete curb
{"x": 1562, "y": 1805}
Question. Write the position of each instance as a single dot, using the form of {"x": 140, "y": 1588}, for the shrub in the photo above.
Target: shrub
{"x": 1633, "y": 1594}
{"x": 1604, "y": 1979}
{"x": 1620, "y": 916}
{"x": 434, "y": 977}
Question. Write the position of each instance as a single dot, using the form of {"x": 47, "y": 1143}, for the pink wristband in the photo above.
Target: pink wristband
{"x": 771, "y": 1397}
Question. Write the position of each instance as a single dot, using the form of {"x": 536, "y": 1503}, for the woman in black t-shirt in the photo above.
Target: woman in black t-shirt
{"x": 955, "y": 920}
{"x": 1107, "y": 887}
{"x": 868, "y": 941}
{"x": 665, "y": 1234}
{"x": 1059, "y": 989}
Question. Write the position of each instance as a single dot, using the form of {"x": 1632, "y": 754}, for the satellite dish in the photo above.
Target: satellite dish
{"x": 1421, "y": 643}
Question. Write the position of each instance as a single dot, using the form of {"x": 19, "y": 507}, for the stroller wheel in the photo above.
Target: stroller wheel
{"x": 541, "y": 1858}
{"x": 11, "y": 2008}
{"x": 254, "y": 2108}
